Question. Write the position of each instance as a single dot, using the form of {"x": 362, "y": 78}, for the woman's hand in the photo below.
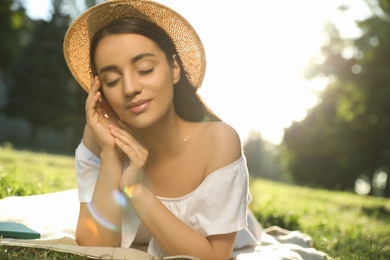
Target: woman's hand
{"x": 100, "y": 116}
{"x": 131, "y": 145}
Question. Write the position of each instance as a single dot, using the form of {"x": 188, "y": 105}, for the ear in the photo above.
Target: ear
{"x": 175, "y": 70}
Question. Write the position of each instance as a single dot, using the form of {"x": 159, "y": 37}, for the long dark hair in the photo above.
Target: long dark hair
{"x": 188, "y": 104}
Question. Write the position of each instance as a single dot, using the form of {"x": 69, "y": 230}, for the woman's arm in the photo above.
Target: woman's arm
{"x": 99, "y": 221}
{"x": 176, "y": 237}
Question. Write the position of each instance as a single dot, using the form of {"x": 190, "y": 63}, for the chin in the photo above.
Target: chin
{"x": 148, "y": 120}
{"x": 140, "y": 123}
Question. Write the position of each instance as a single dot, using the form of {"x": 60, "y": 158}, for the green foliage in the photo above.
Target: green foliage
{"x": 41, "y": 86}
{"x": 350, "y": 104}
{"x": 262, "y": 157}
{"x": 347, "y": 134}
{"x": 344, "y": 225}
{"x": 12, "y": 24}
{"x": 27, "y": 173}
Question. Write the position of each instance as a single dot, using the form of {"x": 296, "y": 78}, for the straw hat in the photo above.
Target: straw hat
{"x": 80, "y": 32}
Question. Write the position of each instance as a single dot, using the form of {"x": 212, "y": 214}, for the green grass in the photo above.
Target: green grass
{"x": 25, "y": 173}
{"x": 17, "y": 252}
{"x": 344, "y": 225}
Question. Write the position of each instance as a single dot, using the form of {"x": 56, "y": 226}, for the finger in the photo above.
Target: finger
{"x": 92, "y": 103}
{"x": 127, "y": 127}
{"x": 92, "y": 106}
{"x": 104, "y": 105}
{"x": 137, "y": 160}
{"x": 94, "y": 90}
{"x": 95, "y": 84}
{"x": 108, "y": 110}
{"x": 124, "y": 136}
{"x": 129, "y": 140}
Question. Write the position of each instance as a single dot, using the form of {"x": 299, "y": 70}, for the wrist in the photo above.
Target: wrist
{"x": 133, "y": 191}
{"x": 110, "y": 153}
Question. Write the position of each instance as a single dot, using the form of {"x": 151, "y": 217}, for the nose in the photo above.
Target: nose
{"x": 131, "y": 86}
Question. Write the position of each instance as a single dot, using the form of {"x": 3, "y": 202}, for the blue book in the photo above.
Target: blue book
{"x": 17, "y": 230}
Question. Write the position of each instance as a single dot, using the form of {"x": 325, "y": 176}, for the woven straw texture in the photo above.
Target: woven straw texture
{"x": 185, "y": 38}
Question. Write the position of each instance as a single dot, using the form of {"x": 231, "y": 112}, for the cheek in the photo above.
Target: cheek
{"x": 167, "y": 90}
{"x": 113, "y": 98}
{"x": 166, "y": 81}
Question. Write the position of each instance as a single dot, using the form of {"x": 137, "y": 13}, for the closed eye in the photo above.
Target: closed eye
{"x": 112, "y": 83}
{"x": 145, "y": 72}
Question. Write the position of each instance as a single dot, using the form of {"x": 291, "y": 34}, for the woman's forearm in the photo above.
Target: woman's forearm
{"x": 176, "y": 237}
{"x": 100, "y": 220}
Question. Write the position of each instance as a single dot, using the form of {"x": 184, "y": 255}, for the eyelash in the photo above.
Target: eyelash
{"x": 145, "y": 72}
{"x": 141, "y": 72}
{"x": 112, "y": 83}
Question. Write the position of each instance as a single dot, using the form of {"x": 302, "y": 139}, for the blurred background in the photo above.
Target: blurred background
{"x": 306, "y": 84}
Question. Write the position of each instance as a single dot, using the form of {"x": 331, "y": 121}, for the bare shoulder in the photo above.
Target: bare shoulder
{"x": 223, "y": 145}
{"x": 223, "y": 136}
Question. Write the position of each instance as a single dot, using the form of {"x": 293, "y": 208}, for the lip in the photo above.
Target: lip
{"x": 139, "y": 106}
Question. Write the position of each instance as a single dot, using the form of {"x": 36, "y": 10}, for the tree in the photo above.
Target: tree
{"x": 262, "y": 158}
{"x": 348, "y": 133}
{"x": 13, "y": 22}
{"x": 41, "y": 88}
{"x": 73, "y": 7}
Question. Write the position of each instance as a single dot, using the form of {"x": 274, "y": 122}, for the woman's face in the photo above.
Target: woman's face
{"x": 136, "y": 78}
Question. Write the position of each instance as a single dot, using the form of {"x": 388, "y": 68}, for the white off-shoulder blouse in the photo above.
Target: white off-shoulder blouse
{"x": 217, "y": 206}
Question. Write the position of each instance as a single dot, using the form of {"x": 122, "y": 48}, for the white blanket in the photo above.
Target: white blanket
{"x": 54, "y": 216}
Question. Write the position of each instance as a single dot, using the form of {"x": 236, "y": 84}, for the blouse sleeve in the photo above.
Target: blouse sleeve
{"x": 87, "y": 170}
{"x": 219, "y": 206}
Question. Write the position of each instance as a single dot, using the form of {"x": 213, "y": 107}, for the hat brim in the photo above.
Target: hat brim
{"x": 187, "y": 42}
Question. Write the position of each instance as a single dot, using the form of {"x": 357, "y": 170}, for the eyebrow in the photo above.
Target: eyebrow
{"x": 107, "y": 68}
{"x": 141, "y": 56}
{"x": 133, "y": 60}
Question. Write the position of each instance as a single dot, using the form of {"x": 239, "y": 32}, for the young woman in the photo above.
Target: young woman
{"x": 155, "y": 166}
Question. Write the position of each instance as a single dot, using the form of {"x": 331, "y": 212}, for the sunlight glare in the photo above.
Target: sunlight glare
{"x": 256, "y": 51}
{"x": 100, "y": 220}
{"x": 263, "y": 84}
{"x": 362, "y": 185}
{"x": 38, "y": 11}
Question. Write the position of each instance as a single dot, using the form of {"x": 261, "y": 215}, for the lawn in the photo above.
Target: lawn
{"x": 344, "y": 225}
{"x": 26, "y": 173}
